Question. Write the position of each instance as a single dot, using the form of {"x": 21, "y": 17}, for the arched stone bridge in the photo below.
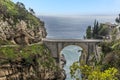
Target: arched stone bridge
{"x": 56, "y": 45}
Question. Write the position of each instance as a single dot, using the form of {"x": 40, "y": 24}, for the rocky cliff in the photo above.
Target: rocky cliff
{"x": 19, "y": 25}
{"x": 20, "y": 58}
{"x": 20, "y": 33}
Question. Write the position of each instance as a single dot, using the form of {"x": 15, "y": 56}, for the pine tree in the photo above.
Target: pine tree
{"x": 95, "y": 29}
{"x": 89, "y": 32}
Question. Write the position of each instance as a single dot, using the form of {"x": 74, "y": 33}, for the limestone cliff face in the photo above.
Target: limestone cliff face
{"x": 20, "y": 33}
{"x": 19, "y": 25}
{"x": 26, "y": 62}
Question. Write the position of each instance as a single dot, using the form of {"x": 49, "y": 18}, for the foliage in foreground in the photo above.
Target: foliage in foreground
{"x": 93, "y": 73}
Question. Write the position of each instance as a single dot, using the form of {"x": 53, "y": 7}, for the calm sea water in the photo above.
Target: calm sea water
{"x": 71, "y": 28}
{"x": 71, "y": 55}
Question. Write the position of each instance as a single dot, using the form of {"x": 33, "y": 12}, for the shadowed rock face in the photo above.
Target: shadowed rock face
{"x": 63, "y": 60}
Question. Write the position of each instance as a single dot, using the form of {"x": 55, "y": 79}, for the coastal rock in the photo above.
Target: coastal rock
{"x": 62, "y": 74}
{"x": 63, "y": 60}
{"x": 20, "y": 33}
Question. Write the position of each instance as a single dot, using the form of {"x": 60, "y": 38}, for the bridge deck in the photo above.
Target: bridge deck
{"x": 71, "y": 40}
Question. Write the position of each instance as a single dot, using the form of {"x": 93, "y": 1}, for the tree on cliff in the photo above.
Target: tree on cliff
{"x": 103, "y": 31}
{"x": 31, "y": 11}
{"x": 95, "y": 29}
{"x": 89, "y": 32}
{"x": 93, "y": 33}
{"x": 118, "y": 19}
{"x": 21, "y": 5}
{"x": 22, "y": 11}
{"x": 98, "y": 31}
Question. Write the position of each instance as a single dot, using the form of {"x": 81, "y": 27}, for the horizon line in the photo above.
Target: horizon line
{"x": 73, "y": 15}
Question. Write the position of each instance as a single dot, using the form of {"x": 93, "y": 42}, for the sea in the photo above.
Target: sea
{"x": 72, "y": 27}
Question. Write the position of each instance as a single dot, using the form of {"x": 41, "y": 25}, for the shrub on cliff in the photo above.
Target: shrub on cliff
{"x": 93, "y": 72}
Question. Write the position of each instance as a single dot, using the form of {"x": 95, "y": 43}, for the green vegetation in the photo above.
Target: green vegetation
{"x": 89, "y": 32}
{"x": 95, "y": 29}
{"x": 20, "y": 25}
{"x": 3, "y": 42}
{"x": 23, "y": 61}
{"x": 36, "y": 57}
{"x": 112, "y": 54}
{"x": 99, "y": 31}
{"x": 109, "y": 74}
{"x": 108, "y": 68}
{"x": 118, "y": 19}
{"x": 93, "y": 73}
{"x": 103, "y": 30}
{"x": 17, "y": 12}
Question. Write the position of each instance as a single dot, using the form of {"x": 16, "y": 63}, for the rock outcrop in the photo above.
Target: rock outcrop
{"x": 32, "y": 62}
{"x": 63, "y": 60}
{"x": 19, "y": 25}
{"x": 62, "y": 63}
{"x": 20, "y": 33}
{"x": 24, "y": 60}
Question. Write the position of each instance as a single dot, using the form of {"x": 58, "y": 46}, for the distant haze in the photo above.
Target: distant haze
{"x": 73, "y": 26}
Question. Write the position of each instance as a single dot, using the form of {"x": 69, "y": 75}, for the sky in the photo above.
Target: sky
{"x": 73, "y": 7}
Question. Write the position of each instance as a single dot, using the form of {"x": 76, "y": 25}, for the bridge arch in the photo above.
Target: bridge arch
{"x": 83, "y": 46}
{"x": 69, "y": 55}
{"x": 75, "y": 49}
{"x": 56, "y": 45}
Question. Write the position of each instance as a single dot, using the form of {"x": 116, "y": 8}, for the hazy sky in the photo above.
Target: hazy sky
{"x": 73, "y": 7}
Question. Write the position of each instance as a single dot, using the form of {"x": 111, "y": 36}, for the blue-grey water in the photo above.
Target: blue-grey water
{"x": 72, "y": 27}
{"x": 72, "y": 54}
